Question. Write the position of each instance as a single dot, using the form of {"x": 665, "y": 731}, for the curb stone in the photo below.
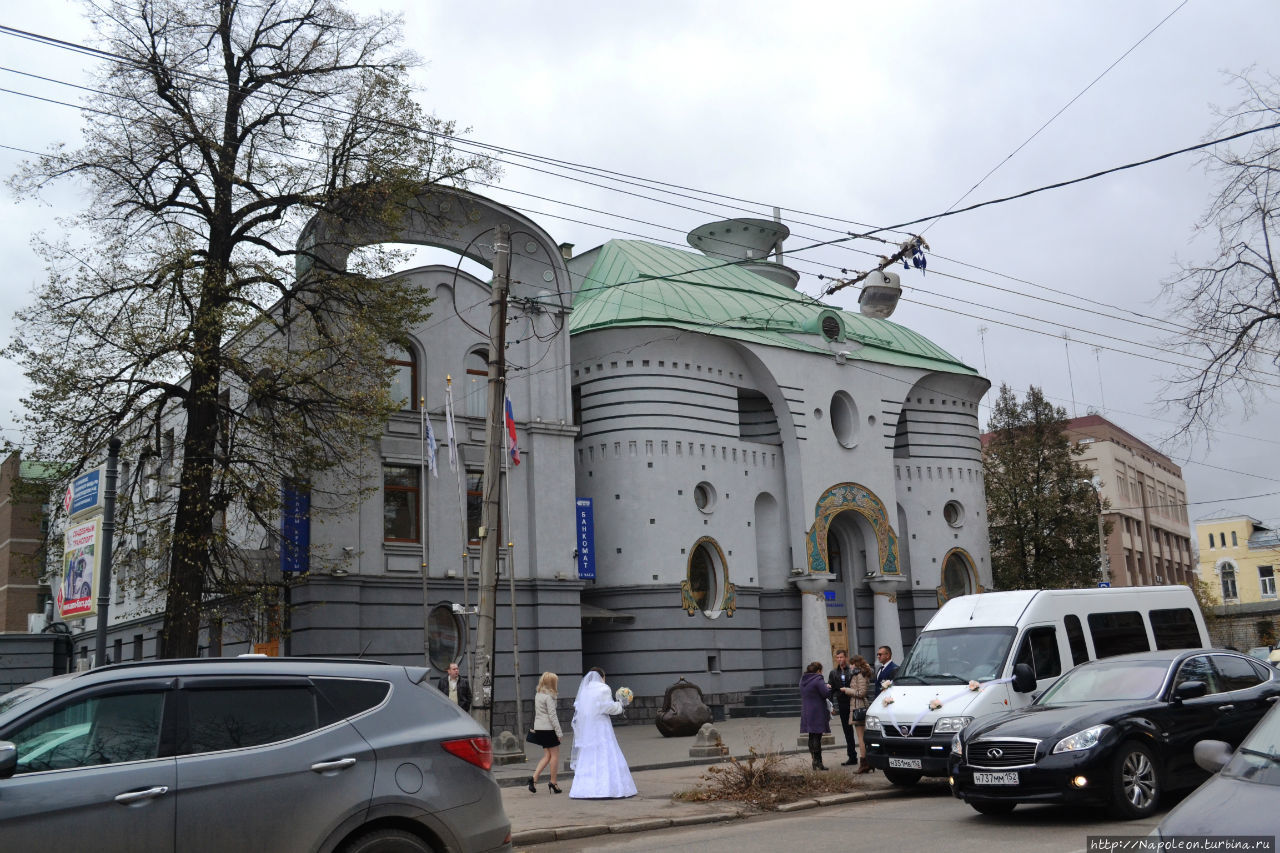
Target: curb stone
{"x": 641, "y": 825}
{"x": 798, "y": 805}
{"x": 585, "y": 831}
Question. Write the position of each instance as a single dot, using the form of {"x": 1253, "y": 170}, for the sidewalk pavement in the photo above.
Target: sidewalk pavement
{"x": 662, "y": 767}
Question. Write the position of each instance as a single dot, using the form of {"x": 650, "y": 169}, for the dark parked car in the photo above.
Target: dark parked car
{"x": 279, "y": 754}
{"x": 1241, "y": 799}
{"x": 1118, "y": 731}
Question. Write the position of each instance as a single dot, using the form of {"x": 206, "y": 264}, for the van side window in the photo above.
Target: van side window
{"x": 1118, "y": 633}
{"x": 1175, "y": 629}
{"x": 1075, "y": 638}
{"x": 1040, "y": 649}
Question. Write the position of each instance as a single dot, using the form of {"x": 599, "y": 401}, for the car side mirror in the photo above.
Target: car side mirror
{"x": 1024, "y": 678}
{"x": 8, "y": 759}
{"x": 1212, "y": 755}
{"x": 1190, "y": 690}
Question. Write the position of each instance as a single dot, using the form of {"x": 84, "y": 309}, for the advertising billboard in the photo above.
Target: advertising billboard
{"x": 77, "y": 592}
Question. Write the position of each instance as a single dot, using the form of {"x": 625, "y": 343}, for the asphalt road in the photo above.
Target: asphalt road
{"x": 933, "y": 824}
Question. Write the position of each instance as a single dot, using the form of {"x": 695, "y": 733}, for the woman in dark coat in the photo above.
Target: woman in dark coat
{"x": 815, "y": 717}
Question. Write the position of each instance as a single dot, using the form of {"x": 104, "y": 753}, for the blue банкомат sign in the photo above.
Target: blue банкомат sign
{"x": 586, "y": 540}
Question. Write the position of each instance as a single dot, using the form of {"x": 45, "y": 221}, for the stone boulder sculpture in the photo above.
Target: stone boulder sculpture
{"x": 683, "y": 711}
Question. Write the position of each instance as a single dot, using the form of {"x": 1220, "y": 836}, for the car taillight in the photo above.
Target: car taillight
{"x": 477, "y": 750}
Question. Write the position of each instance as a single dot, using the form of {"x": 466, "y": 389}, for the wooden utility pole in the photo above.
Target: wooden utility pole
{"x": 491, "y": 508}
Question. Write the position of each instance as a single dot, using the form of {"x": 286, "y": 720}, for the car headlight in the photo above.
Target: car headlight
{"x": 951, "y": 724}
{"x": 957, "y": 748}
{"x": 1081, "y": 740}
{"x": 872, "y": 724}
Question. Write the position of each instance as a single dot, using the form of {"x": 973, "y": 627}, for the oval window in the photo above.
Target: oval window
{"x": 445, "y": 633}
{"x": 844, "y": 419}
{"x": 953, "y": 512}
{"x": 704, "y": 496}
{"x": 956, "y": 580}
{"x": 703, "y": 581}
{"x": 831, "y": 328}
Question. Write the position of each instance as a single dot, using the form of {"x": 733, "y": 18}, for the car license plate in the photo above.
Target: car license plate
{"x": 995, "y": 778}
{"x": 908, "y": 763}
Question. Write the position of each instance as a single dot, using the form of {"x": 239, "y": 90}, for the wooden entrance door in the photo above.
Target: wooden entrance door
{"x": 838, "y": 632}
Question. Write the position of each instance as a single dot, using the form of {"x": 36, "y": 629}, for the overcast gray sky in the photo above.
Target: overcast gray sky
{"x": 841, "y": 113}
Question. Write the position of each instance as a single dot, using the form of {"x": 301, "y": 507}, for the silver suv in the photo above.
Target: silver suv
{"x": 254, "y": 754}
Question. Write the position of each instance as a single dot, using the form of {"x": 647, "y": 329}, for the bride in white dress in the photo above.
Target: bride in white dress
{"x": 599, "y": 767}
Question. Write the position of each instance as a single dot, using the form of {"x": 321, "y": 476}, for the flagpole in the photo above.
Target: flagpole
{"x": 460, "y": 473}
{"x": 511, "y": 579}
{"x": 422, "y": 530}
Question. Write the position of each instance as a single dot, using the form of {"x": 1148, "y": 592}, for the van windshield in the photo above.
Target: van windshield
{"x": 957, "y": 656}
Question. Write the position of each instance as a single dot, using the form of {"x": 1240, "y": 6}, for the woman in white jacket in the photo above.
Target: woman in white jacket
{"x": 546, "y": 731}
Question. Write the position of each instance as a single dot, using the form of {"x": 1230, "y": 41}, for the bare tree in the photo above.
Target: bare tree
{"x": 1230, "y": 303}
{"x": 217, "y": 129}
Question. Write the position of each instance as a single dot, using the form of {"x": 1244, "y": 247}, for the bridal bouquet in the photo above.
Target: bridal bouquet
{"x": 624, "y": 695}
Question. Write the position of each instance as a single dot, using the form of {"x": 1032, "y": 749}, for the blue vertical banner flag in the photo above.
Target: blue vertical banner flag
{"x": 295, "y": 527}
{"x": 512, "y": 448}
{"x": 586, "y": 540}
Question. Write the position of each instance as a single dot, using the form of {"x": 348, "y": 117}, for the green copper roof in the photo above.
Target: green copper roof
{"x": 633, "y": 283}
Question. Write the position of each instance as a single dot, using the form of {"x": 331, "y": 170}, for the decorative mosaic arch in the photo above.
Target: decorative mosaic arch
{"x": 860, "y": 499}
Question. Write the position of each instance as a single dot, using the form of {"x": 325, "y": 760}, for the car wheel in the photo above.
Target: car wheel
{"x": 994, "y": 808}
{"x": 387, "y": 841}
{"x": 902, "y": 778}
{"x": 1135, "y": 781}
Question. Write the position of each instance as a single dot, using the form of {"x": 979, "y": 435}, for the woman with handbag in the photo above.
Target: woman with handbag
{"x": 815, "y": 710}
{"x": 546, "y": 731}
{"x": 859, "y": 692}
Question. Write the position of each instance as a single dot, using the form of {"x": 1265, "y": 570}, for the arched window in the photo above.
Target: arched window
{"x": 1229, "y": 592}
{"x": 956, "y": 577}
{"x": 404, "y": 376}
{"x": 477, "y": 383}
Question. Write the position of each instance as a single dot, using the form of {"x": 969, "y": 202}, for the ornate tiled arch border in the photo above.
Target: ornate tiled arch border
{"x": 859, "y": 499}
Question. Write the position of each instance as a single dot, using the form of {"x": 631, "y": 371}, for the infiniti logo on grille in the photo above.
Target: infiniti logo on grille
{"x": 995, "y": 752}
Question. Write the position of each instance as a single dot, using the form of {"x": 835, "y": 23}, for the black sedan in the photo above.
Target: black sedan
{"x": 1118, "y": 732}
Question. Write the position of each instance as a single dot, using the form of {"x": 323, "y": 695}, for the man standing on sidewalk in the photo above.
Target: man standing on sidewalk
{"x": 886, "y": 669}
{"x": 841, "y": 675}
{"x": 455, "y": 686}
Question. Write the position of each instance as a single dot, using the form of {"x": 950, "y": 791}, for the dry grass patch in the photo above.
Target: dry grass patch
{"x": 765, "y": 779}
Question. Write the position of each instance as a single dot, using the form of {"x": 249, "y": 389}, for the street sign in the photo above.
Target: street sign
{"x": 1104, "y": 584}
{"x": 88, "y": 492}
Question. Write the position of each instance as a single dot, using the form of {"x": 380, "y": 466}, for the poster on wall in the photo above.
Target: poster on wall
{"x": 77, "y": 593}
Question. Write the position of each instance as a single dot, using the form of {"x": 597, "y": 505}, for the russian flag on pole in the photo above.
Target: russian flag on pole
{"x": 511, "y": 435}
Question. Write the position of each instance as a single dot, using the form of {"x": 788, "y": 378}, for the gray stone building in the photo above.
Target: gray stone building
{"x": 770, "y": 477}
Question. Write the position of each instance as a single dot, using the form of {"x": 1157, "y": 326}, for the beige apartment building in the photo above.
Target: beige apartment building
{"x": 1150, "y": 540}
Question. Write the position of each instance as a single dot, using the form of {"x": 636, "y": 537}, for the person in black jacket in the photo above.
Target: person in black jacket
{"x": 886, "y": 669}
{"x": 841, "y": 675}
{"x": 455, "y": 686}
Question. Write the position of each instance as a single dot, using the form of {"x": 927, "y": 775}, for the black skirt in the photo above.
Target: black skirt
{"x": 545, "y": 738}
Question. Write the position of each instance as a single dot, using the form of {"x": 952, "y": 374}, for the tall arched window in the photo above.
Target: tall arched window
{"x": 477, "y": 383}
{"x": 957, "y": 580}
{"x": 1229, "y": 592}
{"x": 404, "y": 376}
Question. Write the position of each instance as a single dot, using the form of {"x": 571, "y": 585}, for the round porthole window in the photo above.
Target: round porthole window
{"x": 704, "y": 496}
{"x": 953, "y": 512}
{"x": 844, "y": 419}
{"x": 831, "y": 328}
{"x": 445, "y": 636}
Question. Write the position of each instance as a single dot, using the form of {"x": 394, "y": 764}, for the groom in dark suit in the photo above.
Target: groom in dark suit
{"x": 886, "y": 669}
